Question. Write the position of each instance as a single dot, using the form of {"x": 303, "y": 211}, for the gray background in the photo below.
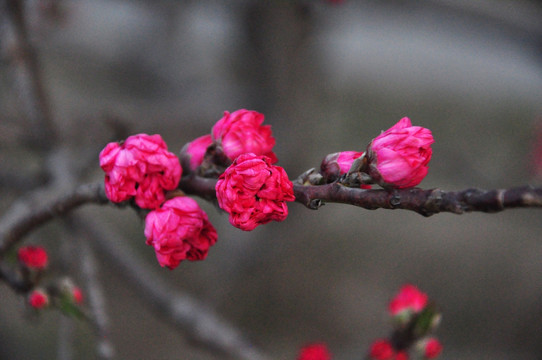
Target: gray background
{"x": 328, "y": 78}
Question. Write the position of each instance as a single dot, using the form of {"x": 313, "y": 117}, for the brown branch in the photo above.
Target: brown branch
{"x": 27, "y": 214}
{"x": 424, "y": 202}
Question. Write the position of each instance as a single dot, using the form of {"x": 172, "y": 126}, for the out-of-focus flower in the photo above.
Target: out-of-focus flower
{"x": 432, "y": 348}
{"x": 140, "y": 167}
{"x": 316, "y": 351}
{"x": 254, "y": 192}
{"x": 38, "y": 299}
{"x": 399, "y": 156}
{"x": 179, "y": 230}
{"x": 33, "y": 257}
{"x": 401, "y": 355}
{"x": 77, "y": 295}
{"x": 242, "y": 132}
{"x": 192, "y": 154}
{"x": 408, "y": 299}
{"x": 381, "y": 349}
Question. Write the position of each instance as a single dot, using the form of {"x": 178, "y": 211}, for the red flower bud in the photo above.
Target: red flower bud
{"x": 314, "y": 352}
{"x": 399, "y": 156}
{"x": 141, "y": 167}
{"x": 179, "y": 230}
{"x": 254, "y": 192}
{"x": 381, "y": 349}
{"x": 432, "y": 348}
{"x": 409, "y": 298}
{"x": 192, "y": 154}
{"x": 38, "y": 299}
{"x": 242, "y": 132}
{"x": 33, "y": 257}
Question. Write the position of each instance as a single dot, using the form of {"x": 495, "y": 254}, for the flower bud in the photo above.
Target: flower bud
{"x": 38, "y": 299}
{"x": 254, "y": 192}
{"x": 336, "y": 164}
{"x": 430, "y": 348}
{"x": 314, "y": 352}
{"x": 407, "y": 302}
{"x": 399, "y": 156}
{"x": 381, "y": 349}
{"x": 140, "y": 167}
{"x": 179, "y": 230}
{"x": 33, "y": 257}
{"x": 193, "y": 153}
{"x": 242, "y": 132}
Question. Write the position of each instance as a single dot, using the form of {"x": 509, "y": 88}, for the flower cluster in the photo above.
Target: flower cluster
{"x": 254, "y": 192}
{"x": 140, "y": 167}
{"x": 239, "y": 150}
{"x": 397, "y": 158}
{"x": 236, "y": 133}
{"x": 414, "y": 318}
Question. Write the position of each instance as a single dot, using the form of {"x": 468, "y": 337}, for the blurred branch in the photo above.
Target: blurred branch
{"x": 29, "y": 213}
{"x": 96, "y": 298}
{"x": 200, "y": 325}
{"x": 28, "y": 79}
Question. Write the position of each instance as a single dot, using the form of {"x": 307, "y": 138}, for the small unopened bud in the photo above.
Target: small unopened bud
{"x": 193, "y": 153}
{"x": 38, "y": 299}
{"x": 430, "y": 348}
{"x": 33, "y": 257}
{"x": 337, "y": 164}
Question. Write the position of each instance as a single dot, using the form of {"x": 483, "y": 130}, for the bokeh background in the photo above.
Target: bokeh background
{"x": 328, "y": 77}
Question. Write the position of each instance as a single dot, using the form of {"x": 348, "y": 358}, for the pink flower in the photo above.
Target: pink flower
{"x": 399, "y": 156}
{"x": 401, "y": 355}
{"x": 381, "y": 350}
{"x": 254, "y": 192}
{"x": 33, "y": 257}
{"x": 179, "y": 230}
{"x": 242, "y": 132}
{"x": 314, "y": 352}
{"x": 410, "y": 299}
{"x": 192, "y": 154}
{"x": 141, "y": 167}
{"x": 433, "y": 348}
{"x": 38, "y": 299}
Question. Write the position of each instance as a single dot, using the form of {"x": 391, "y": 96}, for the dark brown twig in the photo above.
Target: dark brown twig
{"x": 424, "y": 202}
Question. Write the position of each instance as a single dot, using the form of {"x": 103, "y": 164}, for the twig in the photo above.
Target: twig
{"x": 424, "y": 202}
{"x": 200, "y": 325}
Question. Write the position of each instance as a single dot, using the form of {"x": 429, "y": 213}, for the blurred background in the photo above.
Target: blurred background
{"x": 329, "y": 76}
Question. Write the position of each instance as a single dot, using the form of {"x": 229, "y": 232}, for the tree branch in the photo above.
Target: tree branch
{"x": 29, "y": 213}
{"x": 424, "y": 202}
